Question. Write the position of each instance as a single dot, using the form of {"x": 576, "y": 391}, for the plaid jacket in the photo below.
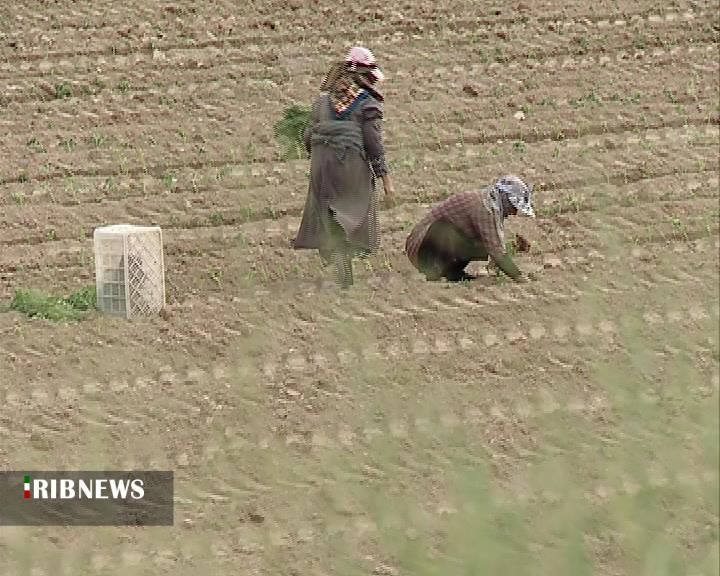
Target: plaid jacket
{"x": 468, "y": 212}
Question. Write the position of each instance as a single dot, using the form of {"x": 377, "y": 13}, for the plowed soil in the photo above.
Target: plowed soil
{"x": 319, "y": 433}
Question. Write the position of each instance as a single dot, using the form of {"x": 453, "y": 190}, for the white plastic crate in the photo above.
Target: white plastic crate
{"x": 129, "y": 270}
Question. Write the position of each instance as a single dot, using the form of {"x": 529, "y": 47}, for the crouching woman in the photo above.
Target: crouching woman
{"x": 469, "y": 226}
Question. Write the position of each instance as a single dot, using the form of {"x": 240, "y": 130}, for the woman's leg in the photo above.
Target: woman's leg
{"x": 455, "y": 272}
{"x": 430, "y": 260}
{"x": 446, "y": 252}
{"x": 438, "y": 255}
{"x": 465, "y": 250}
{"x": 342, "y": 261}
{"x": 432, "y": 257}
{"x": 340, "y": 253}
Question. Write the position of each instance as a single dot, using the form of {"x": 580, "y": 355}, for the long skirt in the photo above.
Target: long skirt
{"x": 340, "y": 215}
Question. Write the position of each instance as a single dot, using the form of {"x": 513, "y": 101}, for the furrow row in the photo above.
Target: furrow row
{"x": 122, "y": 48}
{"x": 473, "y": 144}
{"x": 427, "y": 304}
{"x": 212, "y": 93}
{"x": 132, "y": 85}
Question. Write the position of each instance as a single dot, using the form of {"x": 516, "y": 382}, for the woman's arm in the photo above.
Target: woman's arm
{"x": 375, "y": 148}
{"x": 483, "y": 225}
{"x": 389, "y": 191}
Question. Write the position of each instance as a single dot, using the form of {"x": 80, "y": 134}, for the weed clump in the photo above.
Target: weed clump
{"x": 289, "y": 131}
{"x": 37, "y": 304}
{"x": 62, "y": 91}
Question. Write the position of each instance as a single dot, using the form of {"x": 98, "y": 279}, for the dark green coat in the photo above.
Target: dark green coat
{"x": 341, "y": 205}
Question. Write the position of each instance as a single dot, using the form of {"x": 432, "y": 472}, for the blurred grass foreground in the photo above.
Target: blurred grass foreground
{"x": 624, "y": 484}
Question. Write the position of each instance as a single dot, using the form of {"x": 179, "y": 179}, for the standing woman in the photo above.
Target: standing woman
{"x": 344, "y": 140}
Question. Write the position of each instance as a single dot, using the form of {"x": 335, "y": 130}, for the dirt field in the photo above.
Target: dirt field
{"x": 565, "y": 426}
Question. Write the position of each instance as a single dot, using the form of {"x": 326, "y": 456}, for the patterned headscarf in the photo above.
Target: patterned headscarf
{"x": 492, "y": 199}
{"x": 361, "y": 57}
{"x": 517, "y": 192}
{"x": 346, "y": 85}
{"x": 344, "y": 89}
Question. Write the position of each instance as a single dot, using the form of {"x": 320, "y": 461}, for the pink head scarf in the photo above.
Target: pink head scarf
{"x": 360, "y": 56}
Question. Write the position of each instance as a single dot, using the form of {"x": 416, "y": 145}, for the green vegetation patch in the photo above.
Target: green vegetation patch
{"x": 35, "y": 303}
{"x": 289, "y": 131}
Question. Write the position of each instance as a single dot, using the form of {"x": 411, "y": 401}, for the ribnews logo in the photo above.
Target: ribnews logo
{"x": 68, "y": 488}
{"x": 86, "y": 498}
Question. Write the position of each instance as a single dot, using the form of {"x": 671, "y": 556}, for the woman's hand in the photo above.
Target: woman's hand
{"x": 389, "y": 191}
